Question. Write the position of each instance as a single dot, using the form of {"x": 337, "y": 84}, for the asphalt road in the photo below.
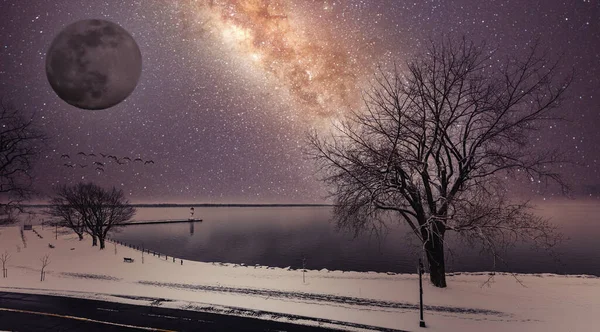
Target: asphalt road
{"x": 30, "y": 312}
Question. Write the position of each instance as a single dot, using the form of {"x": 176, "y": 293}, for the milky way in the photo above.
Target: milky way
{"x": 322, "y": 73}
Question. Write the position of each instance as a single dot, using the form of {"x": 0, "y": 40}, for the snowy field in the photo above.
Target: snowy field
{"x": 345, "y": 300}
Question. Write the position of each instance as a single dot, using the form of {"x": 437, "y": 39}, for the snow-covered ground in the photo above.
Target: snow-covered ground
{"x": 348, "y": 300}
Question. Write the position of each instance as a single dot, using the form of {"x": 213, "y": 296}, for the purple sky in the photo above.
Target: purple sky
{"x": 223, "y": 116}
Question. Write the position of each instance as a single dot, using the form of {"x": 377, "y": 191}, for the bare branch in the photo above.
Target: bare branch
{"x": 89, "y": 208}
{"x": 20, "y": 141}
{"x": 433, "y": 146}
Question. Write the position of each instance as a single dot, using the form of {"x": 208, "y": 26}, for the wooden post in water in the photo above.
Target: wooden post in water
{"x": 303, "y": 269}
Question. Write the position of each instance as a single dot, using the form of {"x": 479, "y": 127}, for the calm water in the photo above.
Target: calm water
{"x": 282, "y": 236}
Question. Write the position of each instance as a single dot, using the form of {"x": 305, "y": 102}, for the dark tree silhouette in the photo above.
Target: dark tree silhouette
{"x": 20, "y": 140}
{"x": 100, "y": 210}
{"x": 4, "y": 259}
{"x": 66, "y": 213}
{"x": 434, "y": 148}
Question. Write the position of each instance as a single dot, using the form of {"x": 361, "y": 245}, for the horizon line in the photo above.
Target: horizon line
{"x": 210, "y": 205}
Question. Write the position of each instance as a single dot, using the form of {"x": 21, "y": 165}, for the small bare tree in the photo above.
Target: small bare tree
{"x": 45, "y": 262}
{"x": 93, "y": 209}
{"x": 20, "y": 141}
{"x": 435, "y": 146}
{"x": 4, "y": 258}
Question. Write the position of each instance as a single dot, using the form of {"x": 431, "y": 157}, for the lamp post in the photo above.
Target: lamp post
{"x": 421, "y": 271}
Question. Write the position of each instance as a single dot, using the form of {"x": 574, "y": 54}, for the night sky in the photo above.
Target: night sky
{"x": 228, "y": 88}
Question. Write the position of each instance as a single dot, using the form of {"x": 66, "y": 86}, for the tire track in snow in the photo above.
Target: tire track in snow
{"x": 324, "y": 298}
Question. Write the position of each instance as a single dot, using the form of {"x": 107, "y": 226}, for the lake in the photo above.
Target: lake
{"x": 283, "y": 236}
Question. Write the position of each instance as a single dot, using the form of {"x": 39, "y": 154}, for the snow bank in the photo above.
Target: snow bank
{"x": 352, "y": 300}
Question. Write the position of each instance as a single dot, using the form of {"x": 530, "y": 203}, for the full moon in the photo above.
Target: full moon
{"x": 93, "y": 64}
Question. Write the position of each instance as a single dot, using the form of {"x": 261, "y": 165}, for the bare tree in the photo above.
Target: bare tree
{"x": 20, "y": 140}
{"x": 67, "y": 214}
{"x": 45, "y": 262}
{"x": 99, "y": 210}
{"x": 4, "y": 258}
{"x": 435, "y": 148}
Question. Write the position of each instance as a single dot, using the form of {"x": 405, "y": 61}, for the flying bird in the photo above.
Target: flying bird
{"x": 91, "y": 155}
{"x": 65, "y": 156}
{"x": 120, "y": 163}
{"x": 126, "y": 158}
{"x": 113, "y": 157}
{"x": 148, "y": 162}
{"x": 103, "y": 155}
{"x": 81, "y": 153}
{"x": 69, "y": 165}
{"x": 100, "y": 169}
{"x": 98, "y": 163}
{"x": 83, "y": 166}
{"x": 138, "y": 159}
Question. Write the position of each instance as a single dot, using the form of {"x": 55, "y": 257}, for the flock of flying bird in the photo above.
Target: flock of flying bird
{"x": 100, "y": 165}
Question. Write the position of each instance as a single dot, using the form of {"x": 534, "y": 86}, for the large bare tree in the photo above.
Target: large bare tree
{"x": 435, "y": 147}
{"x": 20, "y": 140}
{"x": 91, "y": 208}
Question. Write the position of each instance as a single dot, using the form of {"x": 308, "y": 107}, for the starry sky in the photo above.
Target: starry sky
{"x": 229, "y": 88}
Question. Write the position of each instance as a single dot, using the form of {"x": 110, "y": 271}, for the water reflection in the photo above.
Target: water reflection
{"x": 283, "y": 236}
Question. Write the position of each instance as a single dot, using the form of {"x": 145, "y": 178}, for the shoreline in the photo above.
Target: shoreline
{"x": 328, "y": 270}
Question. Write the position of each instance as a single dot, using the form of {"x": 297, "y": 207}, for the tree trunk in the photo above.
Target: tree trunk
{"x": 94, "y": 241}
{"x": 101, "y": 238}
{"x": 80, "y": 232}
{"x": 434, "y": 248}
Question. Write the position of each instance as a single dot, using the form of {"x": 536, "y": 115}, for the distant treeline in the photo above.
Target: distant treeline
{"x": 168, "y": 205}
